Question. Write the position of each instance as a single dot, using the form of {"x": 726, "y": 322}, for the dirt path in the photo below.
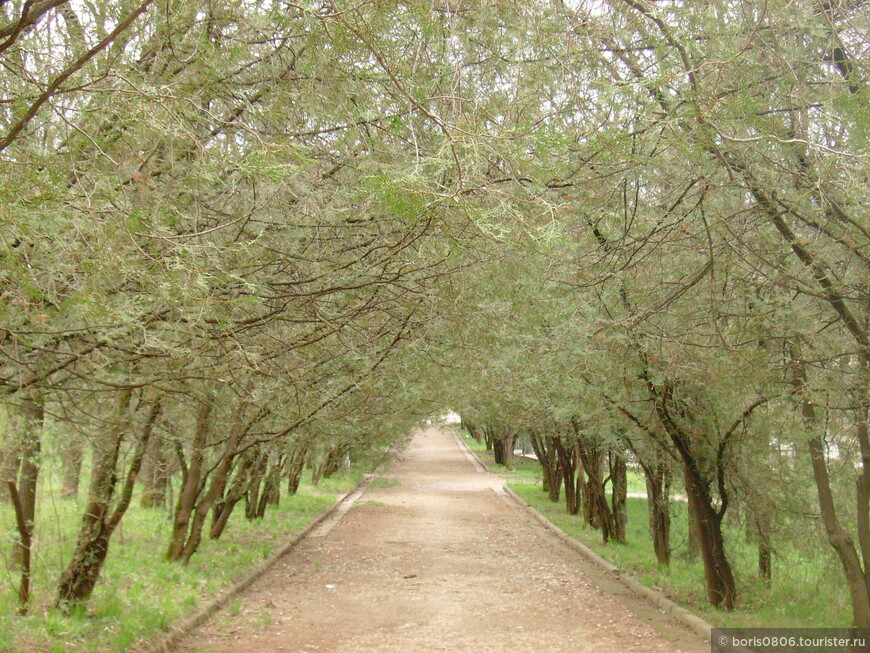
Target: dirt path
{"x": 437, "y": 561}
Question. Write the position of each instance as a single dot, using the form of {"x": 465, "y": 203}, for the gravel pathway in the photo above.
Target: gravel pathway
{"x": 439, "y": 560}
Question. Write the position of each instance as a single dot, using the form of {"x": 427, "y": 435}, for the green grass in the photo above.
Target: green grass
{"x": 139, "y": 594}
{"x": 807, "y": 589}
{"x": 473, "y": 444}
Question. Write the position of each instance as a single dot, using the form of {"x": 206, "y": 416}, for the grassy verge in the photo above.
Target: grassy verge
{"x": 807, "y": 590}
{"x": 139, "y": 593}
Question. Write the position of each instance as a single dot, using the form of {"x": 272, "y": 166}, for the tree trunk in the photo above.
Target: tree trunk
{"x": 10, "y": 464}
{"x": 568, "y": 467}
{"x": 721, "y": 587}
{"x": 73, "y": 455}
{"x": 658, "y": 504}
{"x": 598, "y": 512}
{"x": 100, "y": 520}
{"x": 32, "y": 415}
{"x": 580, "y": 480}
{"x": 252, "y": 498}
{"x": 693, "y": 545}
{"x": 761, "y": 534}
{"x": 503, "y": 447}
{"x": 270, "y": 493}
{"x": 553, "y": 483}
{"x": 252, "y": 495}
{"x": 295, "y": 465}
{"x": 488, "y": 438}
{"x": 218, "y": 482}
{"x": 473, "y": 431}
{"x": 332, "y": 461}
{"x": 838, "y": 537}
{"x": 155, "y": 475}
{"x": 25, "y": 533}
{"x": 549, "y": 460}
{"x": 221, "y": 516}
{"x": 191, "y": 485}
{"x": 223, "y": 508}
{"x": 619, "y": 495}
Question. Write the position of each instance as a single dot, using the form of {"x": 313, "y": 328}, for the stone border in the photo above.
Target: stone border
{"x": 181, "y": 628}
{"x": 697, "y": 625}
{"x": 469, "y": 454}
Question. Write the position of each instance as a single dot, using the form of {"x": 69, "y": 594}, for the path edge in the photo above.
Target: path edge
{"x": 181, "y": 628}
{"x": 692, "y": 621}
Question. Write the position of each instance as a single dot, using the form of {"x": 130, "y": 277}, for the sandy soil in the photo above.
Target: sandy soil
{"x": 439, "y": 560}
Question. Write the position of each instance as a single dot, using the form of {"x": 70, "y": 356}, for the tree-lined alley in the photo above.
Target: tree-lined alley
{"x": 244, "y": 239}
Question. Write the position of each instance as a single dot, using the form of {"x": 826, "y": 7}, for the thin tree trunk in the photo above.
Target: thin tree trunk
{"x": 598, "y": 512}
{"x": 25, "y": 533}
{"x": 100, "y": 520}
{"x": 473, "y": 431}
{"x": 192, "y": 484}
{"x": 658, "y": 504}
{"x": 73, "y": 456}
{"x": 217, "y": 484}
{"x": 838, "y": 538}
{"x": 568, "y": 466}
{"x": 332, "y": 461}
{"x": 155, "y": 475}
{"x": 32, "y": 415}
{"x": 580, "y": 478}
{"x": 270, "y": 493}
{"x": 222, "y": 516}
{"x": 721, "y": 587}
{"x": 489, "y": 439}
{"x": 549, "y": 460}
{"x": 760, "y": 530}
{"x": 619, "y": 495}
{"x": 223, "y": 508}
{"x": 693, "y": 545}
{"x": 11, "y": 454}
{"x": 252, "y": 495}
{"x": 10, "y": 465}
{"x": 295, "y": 465}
